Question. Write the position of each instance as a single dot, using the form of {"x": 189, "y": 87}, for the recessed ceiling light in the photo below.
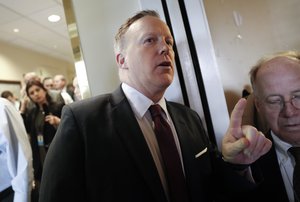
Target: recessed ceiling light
{"x": 54, "y": 18}
{"x": 16, "y": 30}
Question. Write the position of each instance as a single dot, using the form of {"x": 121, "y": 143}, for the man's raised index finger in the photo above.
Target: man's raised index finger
{"x": 237, "y": 113}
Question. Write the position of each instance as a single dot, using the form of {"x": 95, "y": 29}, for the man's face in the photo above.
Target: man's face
{"x": 48, "y": 84}
{"x": 76, "y": 89}
{"x": 58, "y": 83}
{"x": 279, "y": 82}
{"x": 148, "y": 56}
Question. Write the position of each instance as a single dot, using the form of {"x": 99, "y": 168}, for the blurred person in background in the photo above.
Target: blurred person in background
{"x": 60, "y": 84}
{"x": 26, "y": 77}
{"x": 26, "y": 103}
{"x": 48, "y": 83}
{"x": 10, "y": 96}
{"x": 77, "y": 93}
{"x": 41, "y": 123}
{"x": 70, "y": 90}
{"x": 16, "y": 173}
{"x": 55, "y": 94}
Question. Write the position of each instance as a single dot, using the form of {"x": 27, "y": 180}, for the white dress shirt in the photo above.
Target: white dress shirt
{"x": 15, "y": 153}
{"x": 140, "y": 105}
{"x": 66, "y": 96}
{"x": 286, "y": 164}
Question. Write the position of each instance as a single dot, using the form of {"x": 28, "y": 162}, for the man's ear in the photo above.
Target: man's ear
{"x": 120, "y": 60}
{"x": 257, "y": 104}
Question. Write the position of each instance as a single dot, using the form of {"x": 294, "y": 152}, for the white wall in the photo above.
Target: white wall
{"x": 97, "y": 23}
{"x": 264, "y": 26}
{"x": 15, "y": 61}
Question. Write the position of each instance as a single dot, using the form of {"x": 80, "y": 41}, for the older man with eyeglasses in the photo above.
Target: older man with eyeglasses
{"x": 276, "y": 86}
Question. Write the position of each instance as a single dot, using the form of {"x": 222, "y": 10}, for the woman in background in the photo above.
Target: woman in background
{"x": 41, "y": 123}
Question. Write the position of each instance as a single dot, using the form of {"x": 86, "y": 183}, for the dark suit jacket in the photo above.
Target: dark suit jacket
{"x": 99, "y": 154}
{"x": 272, "y": 187}
{"x": 48, "y": 133}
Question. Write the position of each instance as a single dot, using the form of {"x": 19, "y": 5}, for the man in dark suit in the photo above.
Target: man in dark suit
{"x": 105, "y": 148}
{"x": 276, "y": 86}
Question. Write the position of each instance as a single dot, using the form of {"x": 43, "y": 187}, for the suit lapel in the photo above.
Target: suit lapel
{"x": 271, "y": 170}
{"x": 132, "y": 137}
{"x": 190, "y": 144}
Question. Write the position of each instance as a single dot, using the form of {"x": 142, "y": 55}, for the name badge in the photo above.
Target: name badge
{"x": 40, "y": 140}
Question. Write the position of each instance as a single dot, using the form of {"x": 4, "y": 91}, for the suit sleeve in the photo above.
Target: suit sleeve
{"x": 63, "y": 174}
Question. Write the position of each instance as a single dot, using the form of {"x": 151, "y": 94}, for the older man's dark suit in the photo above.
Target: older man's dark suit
{"x": 99, "y": 154}
{"x": 272, "y": 187}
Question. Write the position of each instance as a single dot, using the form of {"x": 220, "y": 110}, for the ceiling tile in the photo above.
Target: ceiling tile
{"x": 27, "y": 7}
{"x": 36, "y": 33}
{"x": 7, "y": 15}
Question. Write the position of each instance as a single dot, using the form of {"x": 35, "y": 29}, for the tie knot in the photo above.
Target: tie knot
{"x": 295, "y": 151}
{"x": 155, "y": 110}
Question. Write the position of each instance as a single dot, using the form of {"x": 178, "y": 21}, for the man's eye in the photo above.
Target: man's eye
{"x": 169, "y": 42}
{"x": 274, "y": 101}
{"x": 296, "y": 96}
{"x": 149, "y": 40}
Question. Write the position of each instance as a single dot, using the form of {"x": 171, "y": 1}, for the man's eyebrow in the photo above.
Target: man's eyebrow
{"x": 296, "y": 91}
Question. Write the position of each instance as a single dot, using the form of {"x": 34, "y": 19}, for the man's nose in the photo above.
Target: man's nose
{"x": 164, "y": 48}
{"x": 288, "y": 109}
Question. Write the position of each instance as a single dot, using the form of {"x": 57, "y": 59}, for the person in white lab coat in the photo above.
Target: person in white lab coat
{"x": 16, "y": 172}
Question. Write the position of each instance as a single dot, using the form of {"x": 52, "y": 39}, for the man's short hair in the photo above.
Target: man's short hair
{"x": 293, "y": 55}
{"x": 119, "y": 37}
{"x": 6, "y": 94}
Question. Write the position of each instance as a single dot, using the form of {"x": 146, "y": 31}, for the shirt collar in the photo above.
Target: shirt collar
{"x": 139, "y": 102}
{"x": 281, "y": 146}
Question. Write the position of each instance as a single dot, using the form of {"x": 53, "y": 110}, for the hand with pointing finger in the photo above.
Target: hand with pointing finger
{"x": 53, "y": 120}
{"x": 243, "y": 144}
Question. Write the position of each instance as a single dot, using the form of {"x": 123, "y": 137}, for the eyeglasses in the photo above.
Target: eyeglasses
{"x": 276, "y": 103}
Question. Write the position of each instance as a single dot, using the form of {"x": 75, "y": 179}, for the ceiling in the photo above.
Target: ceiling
{"x": 36, "y": 32}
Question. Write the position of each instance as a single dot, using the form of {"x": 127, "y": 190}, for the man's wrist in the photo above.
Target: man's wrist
{"x": 236, "y": 167}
